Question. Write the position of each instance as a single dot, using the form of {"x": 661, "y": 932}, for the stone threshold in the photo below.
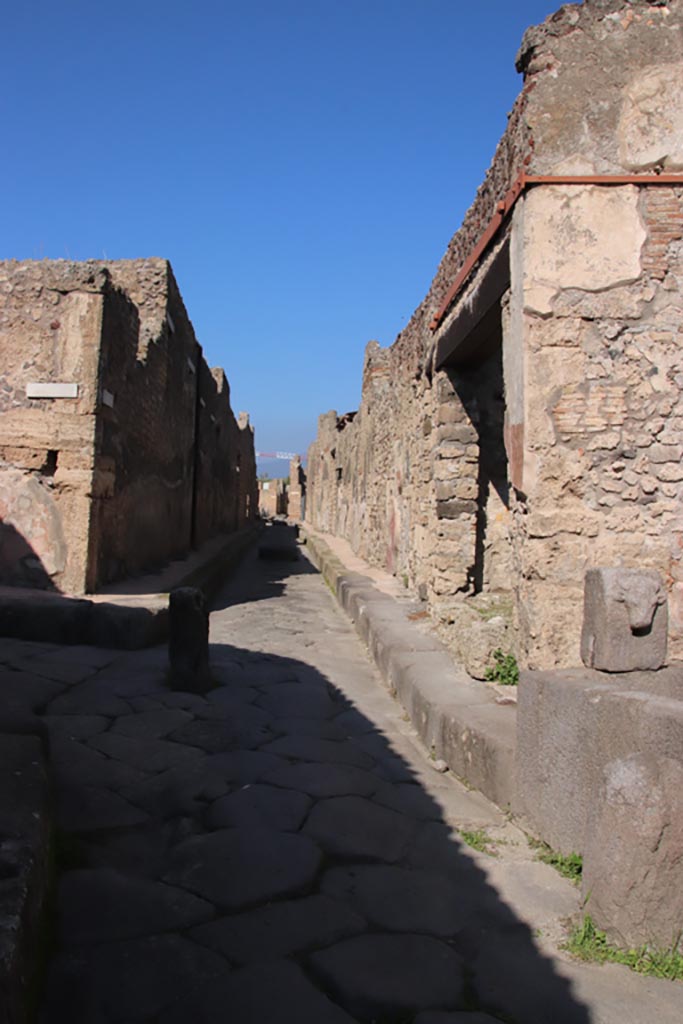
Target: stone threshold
{"x": 460, "y": 720}
{"x": 130, "y": 614}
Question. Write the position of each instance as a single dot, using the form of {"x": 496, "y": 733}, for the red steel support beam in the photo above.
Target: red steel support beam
{"x": 506, "y": 205}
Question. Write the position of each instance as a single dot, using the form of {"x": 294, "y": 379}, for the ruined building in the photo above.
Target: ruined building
{"x": 284, "y": 497}
{"x": 118, "y": 446}
{"x": 525, "y": 427}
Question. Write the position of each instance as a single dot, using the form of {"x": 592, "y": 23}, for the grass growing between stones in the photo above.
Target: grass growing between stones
{"x": 478, "y": 840}
{"x": 569, "y": 866}
{"x": 586, "y": 942}
{"x": 504, "y": 670}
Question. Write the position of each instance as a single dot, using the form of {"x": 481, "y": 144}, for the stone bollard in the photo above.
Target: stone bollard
{"x": 188, "y": 640}
{"x": 624, "y": 620}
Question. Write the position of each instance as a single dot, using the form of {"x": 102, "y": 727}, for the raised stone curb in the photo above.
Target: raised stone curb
{"x": 456, "y": 717}
{"x": 115, "y": 618}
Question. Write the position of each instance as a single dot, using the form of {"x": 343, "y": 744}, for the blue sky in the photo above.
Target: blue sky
{"x": 302, "y": 163}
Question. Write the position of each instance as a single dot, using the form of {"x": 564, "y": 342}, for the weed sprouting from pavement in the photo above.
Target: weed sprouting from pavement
{"x": 568, "y": 865}
{"x": 586, "y": 942}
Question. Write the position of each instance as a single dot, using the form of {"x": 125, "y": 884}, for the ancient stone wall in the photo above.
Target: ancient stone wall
{"x": 272, "y": 497}
{"x": 145, "y": 461}
{"x": 535, "y": 433}
{"x": 50, "y": 322}
{"x": 296, "y": 492}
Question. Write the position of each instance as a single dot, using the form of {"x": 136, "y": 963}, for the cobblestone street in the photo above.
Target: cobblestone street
{"x": 283, "y": 850}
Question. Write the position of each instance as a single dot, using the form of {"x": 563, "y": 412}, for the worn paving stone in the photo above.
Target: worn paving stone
{"x": 151, "y": 755}
{"x": 241, "y": 766}
{"x": 259, "y": 805}
{"x": 83, "y": 654}
{"x": 323, "y": 730}
{"x": 171, "y": 699}
{"x": 178, "y": 791}
{"x": 280, "y": 929}
{"x": 230, "y": 711}
{"x": 237, "y": 868}
{"x": 91, "y": 698}
{"x": 85, "y": 808}
{"x": 308, "y": 748}
{"x": 397, "y": 899}
{"x": 133, "y": 981}
{"x": 324, "y": 780}
{"x": 409, "y": 798}
{"x": 248, "y": 730}
{"x": 386, "y": 975}
{"x": 351, "y": 826}
{"x": 274, "y": 993}
{"x": 25, "y": 690}
{"x": 104, "y": 905}
{"x": 76, "y": 727}
{"x": 509, "y": 976}
{"x": 354, "y": 723}
{"x": 57, "y": 668}
{"x": 151, "y": 724}
{"x": 299, "y": 700}
{"x": 77, "y": 763}
{"x": 141, "y": 850}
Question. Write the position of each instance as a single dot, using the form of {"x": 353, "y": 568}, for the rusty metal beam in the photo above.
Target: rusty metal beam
{"x": 506, "y": 205}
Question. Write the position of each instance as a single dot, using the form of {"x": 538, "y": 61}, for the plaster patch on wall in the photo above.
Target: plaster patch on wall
{"x": 650, "y": 129}
{"x": 583, "y": 237}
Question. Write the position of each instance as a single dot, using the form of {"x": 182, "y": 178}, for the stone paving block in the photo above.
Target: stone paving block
{"x": 276, "y": 993}
{"x": 76, "y": 763}
{"x": 352, "y": 826}
{"x": 280, "y": 929}
{"x": 168, "y": 699}
{"x": 25, "y": 690}
{"x": 150, "y": 755}
{"x": 398, "y": 899}
{"x": 511, "y": 977}
{"x": 247, "y": 729}
{"x": 133, "y": 981}
{"x": 91, "y": 698}
{"x": 86, "y": 808}
{"x": 354, "y": 723}
{"x": 151, "y": 724}
{"x": 299, "y": 700}
{"x": 102, "y": 905}
{"x": 57, "y": 669}
{"x": 176, "y": 791}
{"x": 324, "y": 780}
{"x": 94, "y": 658}
{"x": 387, "y": 975}
{"x": 76, "y": 727}
{"x": 308, "y": 727}
{"x": 229, "y": 704}
{"x": 258, "y": 805}
{"x": 133, "y": 679}
{"x": 140, "y": 850}
{"x": 308, "y": 748}
{"x": 236, "y": 868}
{"x": 409, "y": 798}
{"x": 240, "y": 766}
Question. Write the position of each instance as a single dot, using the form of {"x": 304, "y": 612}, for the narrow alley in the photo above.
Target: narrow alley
{"x": 282, "y": 850}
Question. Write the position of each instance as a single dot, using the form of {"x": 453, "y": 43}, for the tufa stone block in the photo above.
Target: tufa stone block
{"x": 188, "y": 642}
{"x": 625, "y": 620}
